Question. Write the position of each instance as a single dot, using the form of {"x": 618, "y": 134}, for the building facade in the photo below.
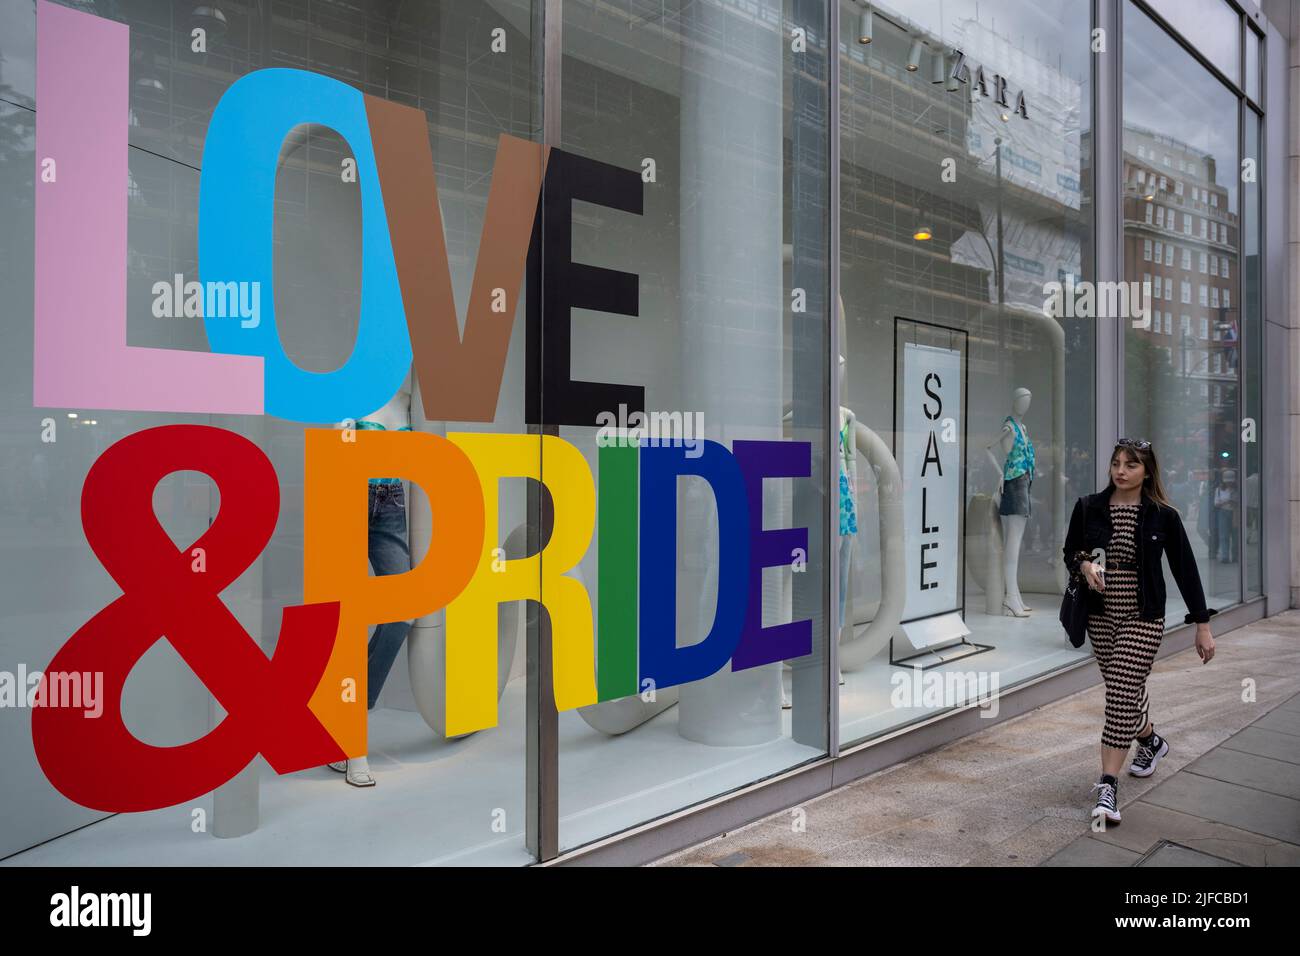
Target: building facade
{"x": 764, "y": 345}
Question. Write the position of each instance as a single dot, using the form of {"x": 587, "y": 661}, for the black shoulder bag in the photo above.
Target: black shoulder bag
{"x": 1074, "y": 609}
{"x": 1074, "y": 603}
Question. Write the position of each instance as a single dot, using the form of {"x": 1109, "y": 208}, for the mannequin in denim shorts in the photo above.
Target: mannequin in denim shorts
{"x": 389, "y": 553}
{"x": 1017, "y": 471}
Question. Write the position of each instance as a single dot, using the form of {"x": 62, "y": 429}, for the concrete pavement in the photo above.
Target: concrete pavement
{"x": 1020, "y": 793}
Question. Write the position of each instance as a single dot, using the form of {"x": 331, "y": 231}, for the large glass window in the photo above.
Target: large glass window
{"x": 1251, "y": 273}
{"x": 720, "y": 109}
{"x": 469, "y": 73}
{"x": 1188, "y": 403}
{"x": 1212, "y": 26}
{"x": 965, "y": 200}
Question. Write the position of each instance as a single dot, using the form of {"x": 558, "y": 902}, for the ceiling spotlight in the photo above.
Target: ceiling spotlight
{"x": 865, "y": 24}
{"x": 211, "y": 19}
{"x": 914, "y": 56}
{"x": 72, "y": 414}
{"x": 150, "y": 87}
{"x": 922, "y": 231}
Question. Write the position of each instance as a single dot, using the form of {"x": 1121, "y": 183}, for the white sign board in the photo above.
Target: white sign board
{"x": 929, "y": 443}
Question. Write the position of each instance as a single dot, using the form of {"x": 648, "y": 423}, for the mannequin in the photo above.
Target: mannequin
{"x": 848, "y": 482}
{"x": 848, "y": 521}
{"x": 390, "y": 553}
{"x": 1016, "y": 471}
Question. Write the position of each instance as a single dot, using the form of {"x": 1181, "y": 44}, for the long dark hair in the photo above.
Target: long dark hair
{"x": 1152, "y": 487}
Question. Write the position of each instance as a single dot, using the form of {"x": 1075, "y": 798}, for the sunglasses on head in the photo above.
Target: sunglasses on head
{"x": 1138, "y": 443}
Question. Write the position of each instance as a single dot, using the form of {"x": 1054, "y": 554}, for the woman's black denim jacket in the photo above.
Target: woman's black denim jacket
{"x": 1160, "y": 530}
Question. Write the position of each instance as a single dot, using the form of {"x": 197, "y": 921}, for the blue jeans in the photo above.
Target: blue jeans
{"x": 389, "y": 554}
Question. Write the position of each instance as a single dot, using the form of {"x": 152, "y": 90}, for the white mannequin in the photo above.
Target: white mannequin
{"x": 848, "y": 428}
{"x": 395, "y": 414}
{"x": 849, "y": 419}
{"x": 1013, "y": 526}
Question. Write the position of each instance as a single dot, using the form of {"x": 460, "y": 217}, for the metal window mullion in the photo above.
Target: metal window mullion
{"x": 1243, "y": 335}
{"x": 542, "y": 773}
{"x": 831, "y": 531}
{"x": 1108, "y": 222}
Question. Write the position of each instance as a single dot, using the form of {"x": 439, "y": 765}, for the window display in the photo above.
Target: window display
{"x": 965, "y": 196}
{"x": 463, "y": 432}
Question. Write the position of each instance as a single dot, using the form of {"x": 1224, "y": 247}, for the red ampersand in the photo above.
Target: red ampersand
{"x": 97, "y": 761}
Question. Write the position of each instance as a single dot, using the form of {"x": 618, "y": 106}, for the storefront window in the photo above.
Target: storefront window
{"x": 720, "y": 109}
{"x": 1252, "y": 227}
{"x": 1253, "y": 65}
{"x": 436, "y": 799}
{"x": 965, "y": 200}
{"x": 559, "y": 317}
{"x": 1181, "y": 390}
{"x": 1213, "y": 26}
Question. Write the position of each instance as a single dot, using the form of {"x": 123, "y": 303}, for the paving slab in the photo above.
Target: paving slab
{"x": 1266, "y": 743}
{"x": 1249, "y": 770}
{"x": 1230, "y": 803}
{"x": 1170, "y": 854}
{"x": 1019, "y": 793}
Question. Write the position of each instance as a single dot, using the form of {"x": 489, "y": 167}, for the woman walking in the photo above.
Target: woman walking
{"x": 1132, "y": 519}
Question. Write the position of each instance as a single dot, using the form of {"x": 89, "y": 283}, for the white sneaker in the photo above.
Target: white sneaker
{"x": 1144, "y": 763}
{"x": 1106, "y": 801}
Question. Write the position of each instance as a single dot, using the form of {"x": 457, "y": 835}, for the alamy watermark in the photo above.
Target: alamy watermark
{"x": 941, "y": 690}
{"x": 1098, "y": 300}
{"x": 73, "y": 689}
{"x": 133, "y": 911}
{"x": 624, "y": 429}
{"x": 211, "y": 300}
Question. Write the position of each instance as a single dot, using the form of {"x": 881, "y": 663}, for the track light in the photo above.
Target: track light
{"x": 865, "y": 24}
{"x": 210, "y": 18}
{"x": 914, "y": 56}
{"x": 922, "y": 231}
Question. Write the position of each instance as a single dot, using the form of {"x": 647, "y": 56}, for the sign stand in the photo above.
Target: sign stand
{"x": 931, "y": 392}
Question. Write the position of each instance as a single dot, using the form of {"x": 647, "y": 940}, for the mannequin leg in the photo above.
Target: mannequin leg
{"x": 389, "y": 553}
{"x": 846, "y": 564}
{"x": 1013, "y": 532}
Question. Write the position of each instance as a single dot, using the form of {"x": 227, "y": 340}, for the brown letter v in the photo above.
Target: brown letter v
{"x": 459, "y": 379}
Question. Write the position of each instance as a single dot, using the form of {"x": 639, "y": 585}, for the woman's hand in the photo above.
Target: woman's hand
{"x": 1092, "y": 576}
{"x": 1204, "y": 643}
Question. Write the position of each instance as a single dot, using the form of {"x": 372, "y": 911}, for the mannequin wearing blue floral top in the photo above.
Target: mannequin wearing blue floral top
{"x": 1016, "y": 472}
{"x": 848, "y": 503}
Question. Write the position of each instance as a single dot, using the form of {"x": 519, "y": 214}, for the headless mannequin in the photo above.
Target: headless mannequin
{"x": 1013, "y": 525}
{"x": 848, "y": 449}
{"x": 396, "y": 413}
{"x": 395, "y": 557}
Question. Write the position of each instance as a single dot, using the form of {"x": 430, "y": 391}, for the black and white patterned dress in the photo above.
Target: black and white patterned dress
{"x": 1124, "y": 644}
